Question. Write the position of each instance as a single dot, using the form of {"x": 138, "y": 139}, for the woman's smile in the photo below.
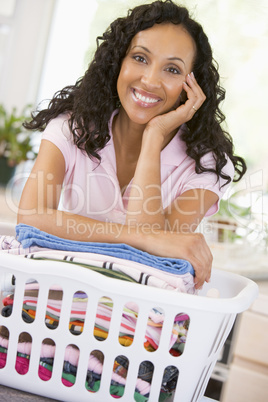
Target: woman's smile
{"x": 145, "y": 99}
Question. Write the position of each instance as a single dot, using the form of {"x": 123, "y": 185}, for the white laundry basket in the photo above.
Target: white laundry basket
{"x": 211, "y": 320}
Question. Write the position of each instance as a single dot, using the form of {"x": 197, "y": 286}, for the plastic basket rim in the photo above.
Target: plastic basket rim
{"x": 86, "y": 277}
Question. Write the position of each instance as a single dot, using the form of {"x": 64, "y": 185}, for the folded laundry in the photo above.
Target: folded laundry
{"x": 30, "y": 236}
{"x": 122, "y": 269}
{"x": 112, "y": 266}
{"x": 9, "y": 244}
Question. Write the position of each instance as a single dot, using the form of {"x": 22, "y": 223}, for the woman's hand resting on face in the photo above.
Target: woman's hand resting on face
{"x": 168, "y": 122}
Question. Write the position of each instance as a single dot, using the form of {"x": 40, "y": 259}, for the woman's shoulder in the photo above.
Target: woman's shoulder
{"x": 59, "y": 126}
{"x": 58, "y": 133}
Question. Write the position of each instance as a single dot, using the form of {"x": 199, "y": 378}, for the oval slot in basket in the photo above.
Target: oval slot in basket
{"x": 179, "y": 334}
{"x": 53, "y": 309}
{"x": 30, "y": 300}
{"x": 23, "y": 353}
{"x": 4, "y": 340}
{"x": 70, "y": 364}
{"x": 119, "y": 376}
{"x": 128, "y": 324}
{"x": 145, "y": 376}
{"x": 169, "y": 381}
{"x": 46, "y": 361}
{"x": 7, "y": 295}
{"x": 95, "y": 366}
{"x": 154, "y": 327}
{"x": 103, "y": 318}
{"x": 78, "y": 312}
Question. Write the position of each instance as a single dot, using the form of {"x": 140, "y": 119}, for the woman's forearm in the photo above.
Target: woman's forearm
{"x": 73, "y": 227}
{"x": 145, "y": 201}
{"x": 79, "y": 228}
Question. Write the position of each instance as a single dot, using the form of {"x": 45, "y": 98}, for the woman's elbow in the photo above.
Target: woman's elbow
{"x": 26, "y": 216}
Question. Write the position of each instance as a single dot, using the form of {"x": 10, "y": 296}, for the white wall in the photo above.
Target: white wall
{"x": 43, "y": 48}
{"x": 24, "y": 51}
{"x": 67, "y": 46}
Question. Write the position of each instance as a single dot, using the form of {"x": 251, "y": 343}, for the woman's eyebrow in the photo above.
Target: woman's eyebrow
{"x": 143, "y": 47}
{"x": 148, "y": 51}
{"x": 177, "y": 58}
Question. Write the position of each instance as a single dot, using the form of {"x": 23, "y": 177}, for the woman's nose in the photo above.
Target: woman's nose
{"x": 151, "y": 77}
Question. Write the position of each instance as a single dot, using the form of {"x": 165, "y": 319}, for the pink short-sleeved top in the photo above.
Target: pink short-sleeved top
{"x": 92, "y": 189}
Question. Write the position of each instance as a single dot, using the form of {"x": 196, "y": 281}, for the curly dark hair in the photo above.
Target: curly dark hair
{"x": 94, "y": 97}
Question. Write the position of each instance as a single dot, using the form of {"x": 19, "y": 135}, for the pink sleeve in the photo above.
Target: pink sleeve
{"x": 208, "y": 181}
{"x": 58, "y": 132}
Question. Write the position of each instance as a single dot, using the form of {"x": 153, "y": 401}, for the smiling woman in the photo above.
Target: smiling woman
{"x": 153, "y": 73}
{"x": 135, "y": 148}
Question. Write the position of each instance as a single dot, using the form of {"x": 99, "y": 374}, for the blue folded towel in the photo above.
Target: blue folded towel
{"x": 31, "y": 236}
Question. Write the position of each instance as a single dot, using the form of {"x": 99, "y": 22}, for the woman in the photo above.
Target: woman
{"x": 135, "y": 147}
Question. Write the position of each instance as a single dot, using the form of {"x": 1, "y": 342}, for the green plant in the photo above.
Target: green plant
{"x": 230, "y": 209}
{"x": 15, "y": 142}
{"x": 229, "y": 217}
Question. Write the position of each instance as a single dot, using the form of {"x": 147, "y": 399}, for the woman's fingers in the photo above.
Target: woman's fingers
{"x": 171, "y": 120}
{"x": 201, "y": 261}
{"x": 199, "y": 255}
{"x": 189, "y": 246}
{"x": 202, "y": 273}
{"x": 195, "y": 95}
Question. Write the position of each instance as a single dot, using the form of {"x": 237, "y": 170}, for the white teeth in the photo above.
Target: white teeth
{"x": 144, "y": 98}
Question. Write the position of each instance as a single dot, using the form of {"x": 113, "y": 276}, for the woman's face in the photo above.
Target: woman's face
{"x": 153, "y": 70}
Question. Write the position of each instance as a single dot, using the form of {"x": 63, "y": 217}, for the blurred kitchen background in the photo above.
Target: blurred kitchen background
{"x": 47, "y": 44}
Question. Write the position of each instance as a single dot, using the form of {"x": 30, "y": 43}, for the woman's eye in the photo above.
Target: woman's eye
{"x": 140, "y": 59}
{"x": 173, "y": 70}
